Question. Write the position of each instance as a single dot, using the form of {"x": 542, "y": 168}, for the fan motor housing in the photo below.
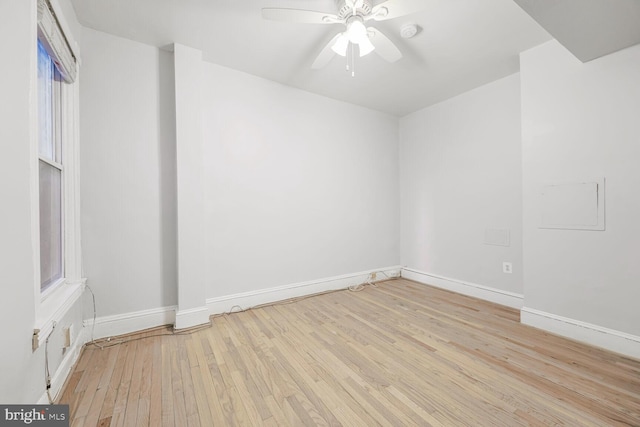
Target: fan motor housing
{"x": 345, "y": 10}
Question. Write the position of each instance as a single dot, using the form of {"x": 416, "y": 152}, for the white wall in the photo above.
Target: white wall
{"x": 21, "y": 370}
{"x": 17, "y": 34}
{"x": 460, "y": 174}
{"x": 128, "y": 174}
{"x": 298, "y": 187}
{"x": 582, "y": 121}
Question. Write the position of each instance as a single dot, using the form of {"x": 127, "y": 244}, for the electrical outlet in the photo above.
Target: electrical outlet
{"x": 507, "y": 268}
{"x": 35, "y": 340}
{"x": 68, "y": 335}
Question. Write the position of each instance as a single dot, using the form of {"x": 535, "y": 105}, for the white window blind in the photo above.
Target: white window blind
{"x": 55, "y": 42}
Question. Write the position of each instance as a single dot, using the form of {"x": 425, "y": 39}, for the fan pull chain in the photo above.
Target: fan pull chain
{"x": 348, "y": 60}
{"x": 353, "y": 61}
{"x": 348, "y": 55}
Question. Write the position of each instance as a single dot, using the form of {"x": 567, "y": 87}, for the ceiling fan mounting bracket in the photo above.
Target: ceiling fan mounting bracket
{"x": 345, "y": 10}
{"x": 352, "y": 18}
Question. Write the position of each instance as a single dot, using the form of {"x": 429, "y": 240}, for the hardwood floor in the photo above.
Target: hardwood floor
{"x": 400, "y": 354}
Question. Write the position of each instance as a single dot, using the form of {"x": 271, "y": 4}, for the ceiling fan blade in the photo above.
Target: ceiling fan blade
{"x": 299, "y": 15}
{"x": 395, "y": 8}
{"x": 384, "y": 47}
{"x": 326, "y": 54}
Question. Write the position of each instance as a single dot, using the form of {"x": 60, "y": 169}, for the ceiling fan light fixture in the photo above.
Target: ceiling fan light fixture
{"x": 353, "y": 14}
{"x": 366, "y": 47}
{"x": 341, "y": 45}
{"x": 357, "y": 32}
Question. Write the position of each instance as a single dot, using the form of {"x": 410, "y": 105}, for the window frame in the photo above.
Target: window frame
{"x": 55, "y": 301}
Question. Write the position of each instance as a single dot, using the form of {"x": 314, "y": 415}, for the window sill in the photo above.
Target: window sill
{"x": 51, "y": 290}
{"x": 54, "y": 307}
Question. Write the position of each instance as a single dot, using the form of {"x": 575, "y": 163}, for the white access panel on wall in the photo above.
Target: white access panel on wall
{"x": 573, "y": 206}
{"x": 497, "y": 237}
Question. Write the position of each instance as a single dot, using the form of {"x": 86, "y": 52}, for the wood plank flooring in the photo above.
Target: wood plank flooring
{"x": 399, "y": 354}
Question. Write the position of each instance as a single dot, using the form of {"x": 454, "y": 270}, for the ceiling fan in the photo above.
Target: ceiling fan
{"x": 353, "y": 14}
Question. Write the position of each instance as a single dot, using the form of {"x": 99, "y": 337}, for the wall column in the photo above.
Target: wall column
{"x": 192, "y": 309}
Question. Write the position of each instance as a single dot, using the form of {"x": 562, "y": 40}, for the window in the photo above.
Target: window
{"x": 56, "y": 207}
{"x": 50, "y": 172}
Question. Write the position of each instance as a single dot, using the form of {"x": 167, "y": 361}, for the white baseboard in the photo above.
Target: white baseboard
{"x": 191, "y": 317}
{"x": 244, "y": 300}
{"x": 498, "y": 296}
{"x": 108, "y": 326}
{"x": 64, "y": 370}
{"x": 599, "y": 336}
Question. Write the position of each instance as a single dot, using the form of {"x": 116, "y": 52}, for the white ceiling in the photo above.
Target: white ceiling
{"x": 588, "y": 28}
{"x": 462, "y": 44}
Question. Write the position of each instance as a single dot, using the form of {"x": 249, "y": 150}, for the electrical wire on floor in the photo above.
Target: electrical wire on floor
{"x": 93, "y": 325}
{"x": 110, "y": 342}
{"x": 360, "y": 286}
{"x": 371, "y": 282}
{"x": 47, "y": 373}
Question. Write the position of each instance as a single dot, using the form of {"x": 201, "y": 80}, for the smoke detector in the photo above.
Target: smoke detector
{"x": 408, "y": 31}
